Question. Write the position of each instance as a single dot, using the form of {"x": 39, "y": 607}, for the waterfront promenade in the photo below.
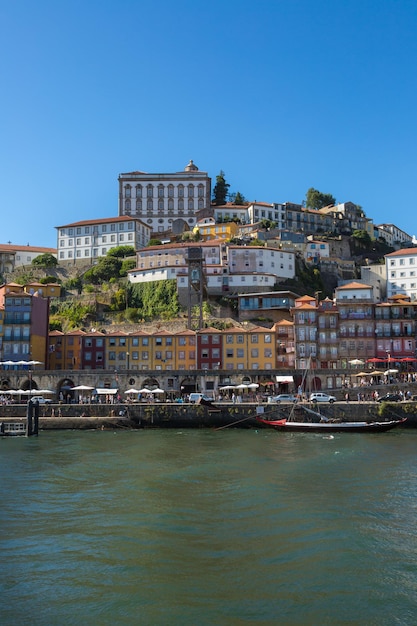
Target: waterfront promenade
{"x": 185, "y": 415}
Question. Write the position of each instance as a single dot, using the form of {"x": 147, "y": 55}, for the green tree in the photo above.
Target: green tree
{"x": 154, "y": 242}
{"x": 106, "y": 269}
{"x": 239, "y": 199}
{"x": 317, "y": 200}
{"x": 49, "y": 279}
{"x": 221, "y": 190}
{"x": 267, "y": 224}
{"x": 122, "y": 251}
{"x": 45, "y": 260}
{"x": 362, "y": 238}
{"x": 127, "y": 265}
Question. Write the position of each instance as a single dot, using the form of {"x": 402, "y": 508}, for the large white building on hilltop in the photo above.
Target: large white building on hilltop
{"x": 91, "y": 239}
{"x": 165, "y": 201}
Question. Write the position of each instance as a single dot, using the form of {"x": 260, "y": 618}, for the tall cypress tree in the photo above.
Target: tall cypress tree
{"x": 221, "y": 190}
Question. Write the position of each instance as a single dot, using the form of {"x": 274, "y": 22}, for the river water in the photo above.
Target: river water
{"x": 231, "y": 527}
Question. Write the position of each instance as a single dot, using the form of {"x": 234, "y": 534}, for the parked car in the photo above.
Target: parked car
{"x": 319, "y": 396}
{"x": 40, "y": 399}
{"x": 283, "y": 397}
{"x": 390, "y": 397}
{"x": 196, "y": 397}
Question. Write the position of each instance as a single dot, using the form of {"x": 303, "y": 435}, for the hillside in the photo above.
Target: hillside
{"x": 110, "y": 304}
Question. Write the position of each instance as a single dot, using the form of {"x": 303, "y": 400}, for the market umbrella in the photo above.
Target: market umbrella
{"x": 132, "y": 390}
{"x": 144, "y": 390}
{"x": 82, "y": 388}
{"x": 242, "y": 386}
{"x": 157, "y": 390}
{"x": 253, "y": 386}
{"x": 362, "y": 374}
{"x": 390, "y": 372}
{"x": 356, "y": 362}
{"x": 377, "y": 373}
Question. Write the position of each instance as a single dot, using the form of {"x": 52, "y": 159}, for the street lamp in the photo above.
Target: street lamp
{"x": 127, "y": 359}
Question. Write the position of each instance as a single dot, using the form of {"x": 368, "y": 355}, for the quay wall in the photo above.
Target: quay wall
{"x": 172, "y": 415}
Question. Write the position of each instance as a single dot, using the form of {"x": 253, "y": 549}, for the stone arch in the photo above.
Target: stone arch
{"x": 150, "y": 383}
{"x": 63, "y": 389}
{"x": 29, "y": 383}
{"x": 187, "y": 385}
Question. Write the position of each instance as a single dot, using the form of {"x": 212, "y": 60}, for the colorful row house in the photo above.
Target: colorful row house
{"x": 207, "y": 349}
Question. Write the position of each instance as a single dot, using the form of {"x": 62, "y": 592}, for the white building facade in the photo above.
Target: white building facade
{"x": 401, "y": 273}
{"x": 91, "y": 239}
{"x": 227, "y": 268}
{"x": 165, "y": 202}
{"x": 393, "y": 235}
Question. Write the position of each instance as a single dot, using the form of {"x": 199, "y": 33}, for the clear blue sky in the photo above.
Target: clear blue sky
{"x": 281, "y": 95}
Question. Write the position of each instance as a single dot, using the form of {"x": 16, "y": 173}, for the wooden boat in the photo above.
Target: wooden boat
{"x": 313, "y": 421}
{"x": 327, "y": 425}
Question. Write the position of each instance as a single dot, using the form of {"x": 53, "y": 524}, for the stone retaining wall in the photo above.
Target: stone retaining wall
{"x": 73, "y": 416}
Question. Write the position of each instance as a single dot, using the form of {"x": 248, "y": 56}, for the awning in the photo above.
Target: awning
{"x": 106, "y": 392}
{"x": 284, "y": 379}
